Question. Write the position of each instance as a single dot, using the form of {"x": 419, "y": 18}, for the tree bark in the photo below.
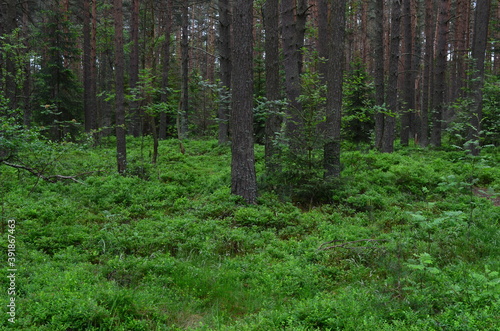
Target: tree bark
{"x": 323, "y": 37}
{"x": 392, "y": 85}
{"x": 409, "y": 84}
{"x": 10, "y": 17}
{"x": 291, "y": 66}
{"x": 27, "y": 107}
{"x": 273, "y": 121}
{"x": 336, "y": 61}
{"x": 377, "y": 40}
{"x": 121, "y": 146}
{"x": 225, "y": 69}
{"x": 243, "y": 178}
{"x": 135, "y": 113}
{"x": 300, "y": 30}
{"x": 428, "y": 74}
{"x": 167, "y": 22}
{"x": 481, "y": 22}
{"x": 440, "y": 72}
{"x": 89, "y": 92}
{"x": 183, "y": 121}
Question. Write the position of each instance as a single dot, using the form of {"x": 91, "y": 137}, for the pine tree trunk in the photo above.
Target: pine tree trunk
{"x": 336, "y": 62}
{"x": 479, "y": 39}
{"x": 185, "y": 72}
{"x": 392, "y": 85}
{"x": 409, "y": 84}
{"x": 440, "y": 72}
{"x": 291, "y": 66}
{"x": 225, "y": 68}
{"x": 377, "y": 39}
{"x": 243, "y": 178}
{"x": 89, "y": 104}
{"x": 300, "y": 30}
{"x": 167, "y": 23}
{"x": 136, "y": 120}
{"x": 121, "y": 146}
{"x": 273, "y": 121}
{"x": 428, "y": 75}
{"x": 10, "y": 17}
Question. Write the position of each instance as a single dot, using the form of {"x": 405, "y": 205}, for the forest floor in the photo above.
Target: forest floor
{"x": 407, "y": 241}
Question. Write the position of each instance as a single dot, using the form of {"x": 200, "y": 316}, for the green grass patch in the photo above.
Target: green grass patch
{"x": 407, "y": 243}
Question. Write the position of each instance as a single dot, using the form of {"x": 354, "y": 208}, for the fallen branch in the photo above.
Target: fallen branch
{"x": 48, "y": 178}
{"x": 343, "y": 245}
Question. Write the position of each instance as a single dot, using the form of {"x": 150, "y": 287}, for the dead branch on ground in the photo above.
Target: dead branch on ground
{"x": 343, "y": 245}
{"x": 48, "y": 178}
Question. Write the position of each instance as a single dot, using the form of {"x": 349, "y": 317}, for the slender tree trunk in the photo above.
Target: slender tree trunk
{"x": 183, "y": 120}
{"x": 496, "y": 61}
{"x": 121, "y": 146}
{"x": 428, "y": 74}
{"x": 93, "y": 66}
{"x": 273, "y": 121}
{"x": 89, "y": 92}
{"x": 167, "y": 22}
{"x": 336, "y": 61}
{"x": 10, "y": 18}
{"x": 243, "y": 178}
{"x": 300, "y": 30}
{"x": 323, "y": 37}
{"x": 459, "y": 48}
{"x": 27, "y": 114}
{"x": 440, "y": 72}
{"x": 481, "y": 22}
{"x": 291, "y": 66}
{"x": 225, "y": 69}
{"x": 392, "y": 85}
{"x": 135, "y": 113}
{"x": 409, "y": 84}
{"x": 377, "y": 40}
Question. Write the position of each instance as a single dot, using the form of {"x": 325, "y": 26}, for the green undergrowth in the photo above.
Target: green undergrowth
{"x": 406, "y": 243}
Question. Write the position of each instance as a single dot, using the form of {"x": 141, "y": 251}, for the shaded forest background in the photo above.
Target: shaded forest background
{"x": 323, "y": 72}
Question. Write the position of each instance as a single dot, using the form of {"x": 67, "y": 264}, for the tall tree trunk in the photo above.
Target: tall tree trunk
{"x": 323, "y": 37}
{"x": 121, "y": 145}
{"x": 291, "y": 66}
{"x": 89, "y": 92}
{"x": 377, "y": 40}
{"x": 273, "y": 121}
{"x": 93, "y": 66}
{"x": 428, "y": 75}
{"x": 479, "y": 39}
{"x": 243, "y": 178}
{"x": 459, "y": 47}
{"x": 336, "y": 62}
{"x": 27, "y": 114}
{"x": 135, "y": 113}
{"x": 10, "y": 18}
{"x": 440, "y": 72}
{"x": 392, "y": 84}
{"x": 300, "y": 30}
{"x": 409, "y": 84}
{"x": 183, "y": 121}
{"x": 225, "y": 69}
{"x": 167, "y": 25}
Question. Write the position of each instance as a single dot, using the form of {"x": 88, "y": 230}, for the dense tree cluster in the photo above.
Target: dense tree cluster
{"x": 235, "y": 69}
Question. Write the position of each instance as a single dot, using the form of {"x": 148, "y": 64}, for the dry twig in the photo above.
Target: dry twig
{"x": 343, "y": 245}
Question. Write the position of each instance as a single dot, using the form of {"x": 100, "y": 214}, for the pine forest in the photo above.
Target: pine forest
{"x": 250, "y": 165}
